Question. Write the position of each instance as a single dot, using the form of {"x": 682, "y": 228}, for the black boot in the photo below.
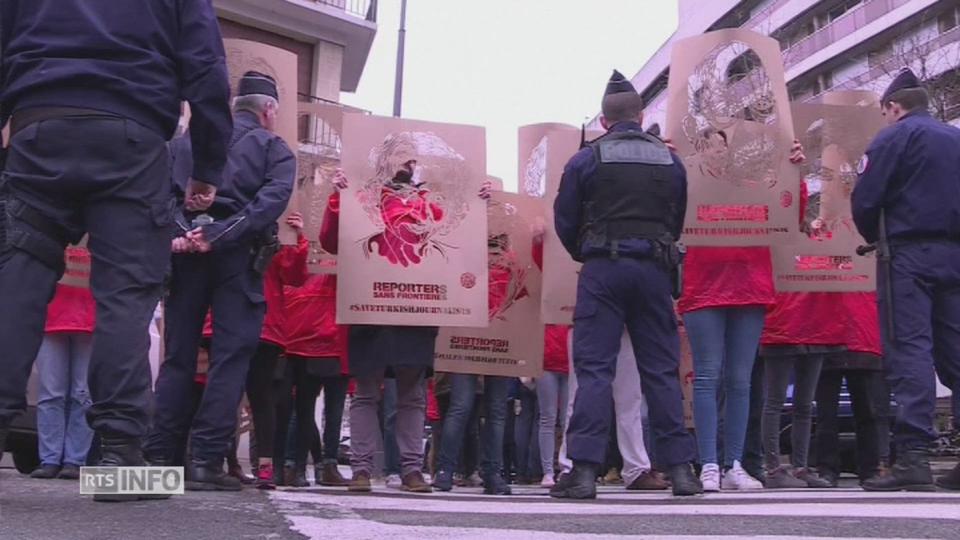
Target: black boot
{"x": 910, "y": 473}
{"x": 685, "y": 483}
{"x": 122, "y": 453}
{"x": 581, "y": 483}
{"x": 495, "y": 485}
{"x": 209, "y": 476}
{"x": 951, "y": 480}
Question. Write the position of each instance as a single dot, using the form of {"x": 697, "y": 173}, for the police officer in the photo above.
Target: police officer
{"x": 92, "y": 91}
{"x": 909, "y": 189}
{"x": 219, "y": 263}
{"x": 620, "y": 210}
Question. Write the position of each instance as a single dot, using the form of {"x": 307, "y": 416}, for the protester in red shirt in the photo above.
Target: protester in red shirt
{"x": 289, "y": 267}
{"x": 316, "y": 359}
{"x": 62, "y": 362}
{"x": 725, "y": 294}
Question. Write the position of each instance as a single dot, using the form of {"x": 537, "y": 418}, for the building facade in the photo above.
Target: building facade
{"x": 830, "y": 45}
{"x": 331, "y": 38}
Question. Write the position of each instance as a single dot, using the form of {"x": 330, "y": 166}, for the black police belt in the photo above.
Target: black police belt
{"x": 25, "y": 117}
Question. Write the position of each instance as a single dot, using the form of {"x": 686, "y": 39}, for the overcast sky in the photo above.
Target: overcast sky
{"x": 502, "y": 64}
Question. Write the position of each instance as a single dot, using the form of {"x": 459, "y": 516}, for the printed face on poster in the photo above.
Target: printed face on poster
{"x": 729, "y": 117}
{"x": 244, "y": 56}
{"x": 512, "y": 345}
{"x": 412, "y": 246}
{"x": 822, "y": 257}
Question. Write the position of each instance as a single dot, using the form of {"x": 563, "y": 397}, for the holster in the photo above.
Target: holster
{"x": 671, "y": 255}
{"x": 265, "y": 249}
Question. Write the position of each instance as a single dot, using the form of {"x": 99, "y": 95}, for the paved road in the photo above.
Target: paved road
{"x": 53, "y": 510}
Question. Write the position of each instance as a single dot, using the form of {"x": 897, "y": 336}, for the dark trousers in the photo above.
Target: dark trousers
{"x": 463, "y": 393}
{"x": 224, "y": 281}
{"x": 611, "y": 294}
{"x": 298, "y": 391}
{"x": 262, "y": 393}
{"x": 391, "y": 452}
{"x": 871, "y": 412}
{"x": 925, "y": 282}
{"x": 526, "y": 435}
{"x": 109, "y": 178}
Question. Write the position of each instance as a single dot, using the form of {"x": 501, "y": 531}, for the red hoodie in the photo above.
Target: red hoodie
{"x": 311, "y": 315}
{"x": 71, "y": 310}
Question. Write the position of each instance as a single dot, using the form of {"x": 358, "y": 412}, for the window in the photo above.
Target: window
{"x": 841, "y": 9}
{"x": 948, "y": 20}
{"x": 880, "y": 56}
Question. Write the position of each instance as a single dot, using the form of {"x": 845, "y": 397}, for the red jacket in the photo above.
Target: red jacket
{"x": 311, "y": 315}
{"x": 330, "y": 228}
{"x": 71, "y": 310}
{"x": 289, "y": 267}
{"x": 555, "y": 348}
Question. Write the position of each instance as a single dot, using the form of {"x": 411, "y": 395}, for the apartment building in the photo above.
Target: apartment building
{"x": 831, "y": 45}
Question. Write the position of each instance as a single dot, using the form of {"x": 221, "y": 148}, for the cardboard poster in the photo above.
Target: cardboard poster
{"x": 544, "y": 151}
{"x": 822, "y": 256}
{"x": 77, "y": 273}
{"x": 244, "y": 56}
{"x": 412, "y": 246}
{"x": 729, "y": 117}
{"x": 512, "y": 346}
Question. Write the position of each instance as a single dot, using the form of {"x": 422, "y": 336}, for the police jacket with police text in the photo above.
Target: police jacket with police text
{"x": 257, "y": 183}
{"x": 132, "y": 58}
{"x": 619, "y": 193}
{"x": 912, "y": 171}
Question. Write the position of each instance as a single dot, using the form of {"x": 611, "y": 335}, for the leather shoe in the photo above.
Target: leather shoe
{"x": 122, "y": 453}
{"x": 951, "y": 480}
{"x": 360, "y": 482}
{"x": 910, "y": 473}
{"x": 414, "y": 483}
{"x": 580, "y": 483}
{"x": 496, "y": 485}
{"x": 45, "y": 472}
{"x": 330, "y": 476}
{"x": 69, "y": 472}
{"x": 684, "y": 481}
{"x": 209, "y": 476}
{"x": 649, "y": 481}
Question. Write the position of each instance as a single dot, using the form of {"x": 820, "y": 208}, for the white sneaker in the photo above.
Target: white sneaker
{"x": 738, "y": 479}
{"x": 548, "y": 481}
{"x": 710, "y": 478}
{"x": 393, "y": 481}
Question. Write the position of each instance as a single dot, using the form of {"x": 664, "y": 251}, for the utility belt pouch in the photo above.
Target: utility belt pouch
{"x": 264, "y": 250}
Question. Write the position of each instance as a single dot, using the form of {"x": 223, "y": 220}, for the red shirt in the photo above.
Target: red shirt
{"x": 555, "y": 349}
{"x": 715, "y": 277}
{"x": 311, "y": 320}
{"x": 71, "y": 310}
{"x": 289, "y": 267}
{"x": 825, "y": 318}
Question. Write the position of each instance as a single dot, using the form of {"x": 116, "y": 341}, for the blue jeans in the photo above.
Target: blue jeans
{"x": 525, "y": 434}
{"x": 552, "y": 398}
{"x": 62, "y": 363}
{"x": 463, "y": 393}
{"x": 723, "y": 340}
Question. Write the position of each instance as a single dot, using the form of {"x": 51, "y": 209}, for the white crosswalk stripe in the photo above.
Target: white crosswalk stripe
{"x": 392, "y": 514}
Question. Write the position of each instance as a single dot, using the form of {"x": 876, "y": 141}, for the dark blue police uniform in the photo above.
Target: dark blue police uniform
{"x": 257, "y": 185}
{"x": 621, "y": 203}
{"x": 92, "y": 91}
{"x": 911, "y": 172}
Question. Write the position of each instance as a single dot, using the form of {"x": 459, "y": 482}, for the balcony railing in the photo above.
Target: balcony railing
{"x": 318, "y": 137}
{"x": 365, "y": 9}
{"x": 895, "y": 62}
{"x": 841, "y": 27}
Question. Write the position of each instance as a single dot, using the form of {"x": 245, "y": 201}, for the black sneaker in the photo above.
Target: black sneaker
{"x": 580, "y": 483}
{"x": 495, "y": 485}
{"x": 45, "y": 472}
{"x": 205, "y": 476}
{"x": 443, "y": 480}
{"x": 684, "y": 482}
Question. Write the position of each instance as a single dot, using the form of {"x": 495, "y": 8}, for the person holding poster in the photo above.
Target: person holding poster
{"x": 63, "y": 399}
{"x": 219, "y": 264}
{"x": 620, "y": 209}
{"x": 90, "y": 111}
{"x": 905, "y": 202}
{"x": 726, "y": 291}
